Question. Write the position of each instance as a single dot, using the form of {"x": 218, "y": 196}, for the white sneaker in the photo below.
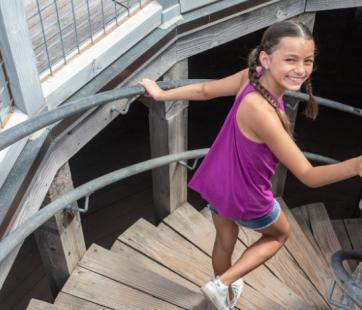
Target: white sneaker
{"x": 217, "y": 292}
{"x": 237, "y": 288}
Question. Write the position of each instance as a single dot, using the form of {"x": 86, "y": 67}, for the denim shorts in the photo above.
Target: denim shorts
{"x": 260, "y": 222}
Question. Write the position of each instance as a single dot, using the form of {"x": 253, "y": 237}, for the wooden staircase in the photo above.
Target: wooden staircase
{"x": 163, "y": 267}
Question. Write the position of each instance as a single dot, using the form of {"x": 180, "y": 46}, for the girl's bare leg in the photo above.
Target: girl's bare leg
{"x": 271, "y": 241}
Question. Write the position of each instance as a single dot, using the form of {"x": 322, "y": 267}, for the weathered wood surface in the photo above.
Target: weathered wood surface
{"x": 323, "y": 5}
{"x": 168, "y": 135}
{"x": 60, "y": 240}
{"x": 185, "y": 259}
{"x": 323, "y": 231}
{"x": 70, "y": 302}
{"x": 342, "y": 235}
{"x": 122, "y": 270}
{"x": 354, "y": 229}
{"x": 41, "y": 305}
{"x": 261, "y": 278}
{"x": 283, "y": 265}
{"x": 18, "y": 55}
{"x": 314, "y": 266}
{"x": 110, "y": 293}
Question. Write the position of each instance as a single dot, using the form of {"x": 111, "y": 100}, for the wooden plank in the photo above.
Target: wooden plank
{"x": 184, "y": 259}
{"x": 342, "y": 235}
{"x": 138, "y": 258}
{"x": 41, "y": 305}
{"x": 113, "y": 266}
{"x": 70, "y": 302}
{"x": 60, "y": 240}
{"x": 324, "y": 5}
{"x": 192, "y": 5}
{"x": 19, "y": 58}
{"x": 354, "y": 232}
{"x": 283, "y": 265}
{"x": 168, "y": 135}
{"x": 304, "y": 254}
{"x": 109, "y": 293}
{"x": 323, "y": 231}
{"x": 303, "y": 221}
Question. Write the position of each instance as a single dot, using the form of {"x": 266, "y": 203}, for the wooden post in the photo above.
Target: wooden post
{"x": 168, "y": 134}
{"x": 60, "y": 240}
{"x": 19, "y": 59}
{"x": 278, "y": 181}
{"x": 291, "y": 108}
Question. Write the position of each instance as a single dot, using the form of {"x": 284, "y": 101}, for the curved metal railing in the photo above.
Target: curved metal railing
{"x": 344, "y": 279}
{"x": 70, "y": 108}
{"x": 8, "y": 243}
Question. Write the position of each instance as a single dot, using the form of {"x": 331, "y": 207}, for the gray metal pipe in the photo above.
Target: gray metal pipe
{"x": 8, "y": 243}
{"x": 30, "y": 126}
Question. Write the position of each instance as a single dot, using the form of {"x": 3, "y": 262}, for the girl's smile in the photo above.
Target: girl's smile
{"x": 288, "y": 66}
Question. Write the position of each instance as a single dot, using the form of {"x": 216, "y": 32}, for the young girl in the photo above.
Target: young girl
{"x": 235, "y": 175}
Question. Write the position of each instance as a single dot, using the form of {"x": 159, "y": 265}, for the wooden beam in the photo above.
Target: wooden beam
{"x": 324, "y": 5}
{"x": 168, "y": 134}
{"x": 18, "y": 55}
{"x": 60, "y": 240}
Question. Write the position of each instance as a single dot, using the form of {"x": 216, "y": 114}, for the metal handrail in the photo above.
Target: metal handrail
{"x": 8, "y": 243}
{"x": 70, "y": 108}
{"x": 346, "y": 282}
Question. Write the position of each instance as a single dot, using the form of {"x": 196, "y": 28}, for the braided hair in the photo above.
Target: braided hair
{"x": 270, "y": 40}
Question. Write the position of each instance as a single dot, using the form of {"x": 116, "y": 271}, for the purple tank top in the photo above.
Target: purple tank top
{"x": 235, "y": 176}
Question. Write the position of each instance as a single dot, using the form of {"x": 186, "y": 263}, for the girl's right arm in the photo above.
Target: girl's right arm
{"x": 228, "y": 86}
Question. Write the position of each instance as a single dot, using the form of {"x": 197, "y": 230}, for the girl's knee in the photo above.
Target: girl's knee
{"x": 225, "y": 244}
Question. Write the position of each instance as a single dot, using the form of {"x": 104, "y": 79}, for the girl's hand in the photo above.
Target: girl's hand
{"x": 152, "y": 89}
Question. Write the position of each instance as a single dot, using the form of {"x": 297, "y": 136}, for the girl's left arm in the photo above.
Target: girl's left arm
{"x": 271, "y": 131}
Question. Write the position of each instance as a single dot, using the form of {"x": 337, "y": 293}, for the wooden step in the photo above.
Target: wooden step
{"x": 283, "y": 265}
{"x": 140, "y": 259}
{"x": 41, "y": 305}
{"x": 183, "y": 258}
{"x": 354, "y": 232}
{"x": 342, "y": 235}
{"x": 101, "y": 290}
{"x": 66, "y": 301}
{"x": 122, "y": 270}
{"x": 312, "y": 263}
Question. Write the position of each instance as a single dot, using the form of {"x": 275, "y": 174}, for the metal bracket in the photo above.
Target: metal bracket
{"x": 122, "y": 111}
{"x": 333, "y": 302}
{"x": 80, "y": 210}
{"x": 184, "y": 163}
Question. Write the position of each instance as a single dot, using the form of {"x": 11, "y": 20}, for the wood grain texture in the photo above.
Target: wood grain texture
{"x": 69, "y": 302}
{"x": 183, "y": 258}
{"x": 354, "y": 232}
{"x": 113, "y": 266}
{"x": 109, "y": 293}
{"x": 324, "y": 5}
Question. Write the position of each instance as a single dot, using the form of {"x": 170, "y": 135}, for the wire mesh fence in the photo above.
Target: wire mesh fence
{"x": 61, "y": 29}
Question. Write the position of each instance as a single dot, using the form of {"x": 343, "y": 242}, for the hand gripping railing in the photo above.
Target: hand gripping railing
{"x": 70, "y": 108}
{"x": 345, "y": 281}
{"x": 8, "y": 243}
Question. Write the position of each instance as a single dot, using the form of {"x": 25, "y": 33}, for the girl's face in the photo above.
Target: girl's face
{"x": 291, "y": 63}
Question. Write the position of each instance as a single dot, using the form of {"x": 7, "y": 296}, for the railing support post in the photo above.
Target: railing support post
{"x": 168, "y": 135}
{"x": 60, "y": 240}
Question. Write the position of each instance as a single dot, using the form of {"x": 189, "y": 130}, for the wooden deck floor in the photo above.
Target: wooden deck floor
{"x": 86, "y": 25}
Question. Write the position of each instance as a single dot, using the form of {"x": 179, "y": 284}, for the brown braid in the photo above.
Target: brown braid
{"x": 254, "y": 80}
{"x": 311, "y": 110}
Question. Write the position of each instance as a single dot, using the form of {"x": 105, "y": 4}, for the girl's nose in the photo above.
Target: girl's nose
{"x": 299, "y": 69}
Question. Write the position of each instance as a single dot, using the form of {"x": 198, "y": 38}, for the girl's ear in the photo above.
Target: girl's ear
{"x": 264, "y": 60}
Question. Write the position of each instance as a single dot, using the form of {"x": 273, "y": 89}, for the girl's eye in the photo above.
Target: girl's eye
{"x": 291, "y": 60}
{"x": 309, "y": 61}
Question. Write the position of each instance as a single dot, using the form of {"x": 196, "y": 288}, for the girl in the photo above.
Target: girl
{"x": 235, "y": 175}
